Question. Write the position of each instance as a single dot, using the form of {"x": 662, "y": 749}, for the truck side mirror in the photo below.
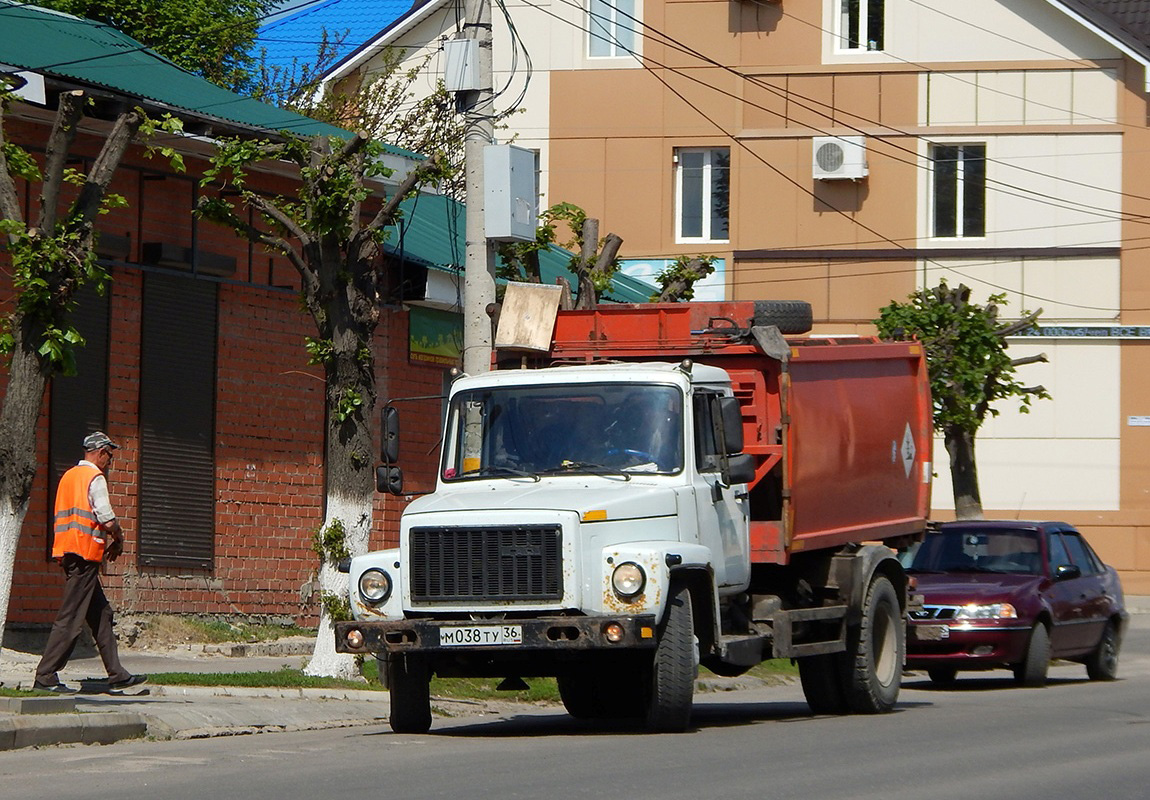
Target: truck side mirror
{"x": 389, "y": 479}
{"x": 732, "y": 425}
{"x": 740, "y": 469}
{"x": 389, "y": 435}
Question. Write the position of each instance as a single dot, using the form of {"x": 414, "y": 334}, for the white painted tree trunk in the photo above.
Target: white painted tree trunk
{"x": 355, "y": 514}
{"x": 11, "y": 521}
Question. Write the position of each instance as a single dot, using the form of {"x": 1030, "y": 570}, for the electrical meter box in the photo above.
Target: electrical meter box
{"x": 509, "y": 197}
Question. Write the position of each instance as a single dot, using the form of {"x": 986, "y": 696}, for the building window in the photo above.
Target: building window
{"x": 959, "y": 190}
{"x": 861, "y": 24}
{"x": 702, "y": 194}
{"x": 177, "y": 497}
{"x": 611, "y": 24}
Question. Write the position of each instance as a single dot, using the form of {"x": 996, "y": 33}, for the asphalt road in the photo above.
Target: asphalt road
{"x": 982, "y": 739}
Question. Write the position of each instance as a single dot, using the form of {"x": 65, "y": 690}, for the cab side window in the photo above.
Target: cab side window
{"x": 706, "y": 446}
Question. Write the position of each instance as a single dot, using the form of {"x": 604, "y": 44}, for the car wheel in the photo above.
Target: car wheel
{"x": 1102, "y": 664}
{"x": 942, "y": 676}
{"x": 1032, "y": 671}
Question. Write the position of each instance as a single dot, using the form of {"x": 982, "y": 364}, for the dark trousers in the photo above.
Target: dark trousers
{"x": 84, "y": 601}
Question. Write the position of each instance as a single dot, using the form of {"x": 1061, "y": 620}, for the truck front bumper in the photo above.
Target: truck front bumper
{"x": 542, "y": 633}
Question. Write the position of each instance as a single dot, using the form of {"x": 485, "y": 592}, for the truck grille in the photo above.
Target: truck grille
{"x": 521, "y": 562}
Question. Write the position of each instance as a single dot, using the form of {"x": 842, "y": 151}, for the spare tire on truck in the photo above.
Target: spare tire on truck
{"x": 789, "y": 316}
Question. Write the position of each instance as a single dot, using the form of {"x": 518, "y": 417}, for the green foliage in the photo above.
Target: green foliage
{"x": 337, "y": 606}
{"x": 348, "y": 402}
{"x": 212, "y": 38}
{"x": 677, "y": 280}
{"x": 965, "y": 352}
{"x": 330, "y": 542}
{"x": 319, "y": 351}
{"x": 278, "y": 679}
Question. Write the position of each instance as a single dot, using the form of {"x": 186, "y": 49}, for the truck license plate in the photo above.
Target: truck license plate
{"x": 478, "y": 635}
{"x": 931, "y": 633}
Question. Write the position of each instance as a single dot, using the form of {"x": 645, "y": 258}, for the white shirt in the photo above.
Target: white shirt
{"x": 98, "y": 496}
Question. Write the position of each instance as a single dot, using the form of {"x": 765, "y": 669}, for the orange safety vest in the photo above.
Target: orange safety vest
{"x": 77, "y": 530}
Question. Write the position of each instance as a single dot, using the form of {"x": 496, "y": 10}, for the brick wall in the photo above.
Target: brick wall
{"x": 269, "y": 427}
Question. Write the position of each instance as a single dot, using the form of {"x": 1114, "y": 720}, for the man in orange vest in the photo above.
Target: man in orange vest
{"x": 84, "y": 523}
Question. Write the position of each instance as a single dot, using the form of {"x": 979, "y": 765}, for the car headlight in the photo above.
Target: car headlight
{"x": 374, "y": 586}
{"x": 628, "y": 579}
{"x": 987, "y": 611}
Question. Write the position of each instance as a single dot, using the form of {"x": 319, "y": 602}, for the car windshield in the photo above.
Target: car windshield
{"x": 1004, "y": 551}
{"x": 527, "y": 432}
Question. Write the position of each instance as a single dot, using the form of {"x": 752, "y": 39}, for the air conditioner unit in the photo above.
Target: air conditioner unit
{"x": 838, "y": 157}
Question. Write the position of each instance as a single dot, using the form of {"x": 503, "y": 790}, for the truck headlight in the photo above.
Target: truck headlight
{"x": 374, "y": 586}
{"x": 628, "y": 579}
{"x": 987, "y": 611}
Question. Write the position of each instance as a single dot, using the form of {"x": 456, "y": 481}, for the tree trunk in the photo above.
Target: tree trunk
{"x": 963, "y": 473}
{"x": 18, "y": 417}
{"x": 350, "y": 478}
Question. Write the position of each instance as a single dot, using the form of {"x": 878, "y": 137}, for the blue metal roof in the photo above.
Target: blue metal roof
{"x": 295, "y": 35}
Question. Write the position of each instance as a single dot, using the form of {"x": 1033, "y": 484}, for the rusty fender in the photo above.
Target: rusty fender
{"x": 544, "y": 633}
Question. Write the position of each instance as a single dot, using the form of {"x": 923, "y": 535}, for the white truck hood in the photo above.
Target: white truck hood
{"x": 615, "y": 497}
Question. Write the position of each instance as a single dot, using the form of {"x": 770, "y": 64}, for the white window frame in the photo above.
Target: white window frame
{"x": 619, "y": 23}
{"x": 843, "y": 25}
{"x": 706, "y": 198}
{"x": 961, "y": 186}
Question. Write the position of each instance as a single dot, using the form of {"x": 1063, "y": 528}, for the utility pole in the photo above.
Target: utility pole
{"x": 478, "y": 106}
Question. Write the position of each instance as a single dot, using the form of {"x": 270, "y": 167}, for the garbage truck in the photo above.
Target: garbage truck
{"x": 669, "y": 486}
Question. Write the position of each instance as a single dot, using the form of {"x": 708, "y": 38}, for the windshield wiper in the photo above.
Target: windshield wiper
{"x": 505, "y": 472}
{"x": 587, "y": 466}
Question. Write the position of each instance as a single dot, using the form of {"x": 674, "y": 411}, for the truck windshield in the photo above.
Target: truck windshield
{"x": 573, "y": 428}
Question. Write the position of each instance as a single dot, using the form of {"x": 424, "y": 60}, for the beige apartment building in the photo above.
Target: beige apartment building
{"x": 846, "y": 152}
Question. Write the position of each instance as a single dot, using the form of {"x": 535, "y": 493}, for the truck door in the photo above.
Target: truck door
{"x": 722, "y": 510}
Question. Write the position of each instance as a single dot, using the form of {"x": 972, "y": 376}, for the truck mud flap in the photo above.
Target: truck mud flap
{"x": 784, "y": 621}
{"x": 550, "y": 633}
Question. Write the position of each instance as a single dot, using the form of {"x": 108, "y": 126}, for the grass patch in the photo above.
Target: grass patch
{"x": 279, "y": 679}
{"x": 171, "y": 629}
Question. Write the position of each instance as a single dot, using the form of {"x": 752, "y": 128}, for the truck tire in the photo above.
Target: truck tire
{"x": 674, "y": 667}
{"x": 409, "y": 689}
{"x": 877, "y": 648}
{"x": 789, "y": 316}
{"x": 1032, "y": 670}
{"x": 822, "y": 680}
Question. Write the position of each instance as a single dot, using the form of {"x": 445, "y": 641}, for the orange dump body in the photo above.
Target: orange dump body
{"x": 840, "y": 428}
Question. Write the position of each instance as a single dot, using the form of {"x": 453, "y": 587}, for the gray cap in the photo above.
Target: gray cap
{"x": 98, "y": 440}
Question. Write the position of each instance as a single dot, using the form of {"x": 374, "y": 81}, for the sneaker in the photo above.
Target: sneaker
{"x": 54, "y": 688}
{"x": 127, "y": 683}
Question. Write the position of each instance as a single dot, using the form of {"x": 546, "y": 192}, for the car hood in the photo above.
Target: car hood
{"x": 959, "y": 588}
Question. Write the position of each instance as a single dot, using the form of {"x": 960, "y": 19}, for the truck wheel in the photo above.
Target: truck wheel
{"x": 878, "y": 649}
{"x": 409, "y": 688}
{"x": 789, "y": 316}
{"x": 822, "y": 680}
{"x": 1102, "y": 664}
{"x": 942, "y": 676}
{"x": 674, "y": 668}
{"x": 1032, "y": 671}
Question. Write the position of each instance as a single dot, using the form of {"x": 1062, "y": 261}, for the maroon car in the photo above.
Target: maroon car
{"x": 1012, "y": 594}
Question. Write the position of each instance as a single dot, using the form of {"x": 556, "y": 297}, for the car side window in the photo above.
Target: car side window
{"x": 1058, "y": 554}
{"x": 1079, "y": 555}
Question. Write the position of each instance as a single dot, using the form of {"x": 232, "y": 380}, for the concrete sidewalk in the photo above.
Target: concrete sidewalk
{"x": 166, "y": 712}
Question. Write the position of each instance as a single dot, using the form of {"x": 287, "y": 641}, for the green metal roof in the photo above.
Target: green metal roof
{"x": 82, "y": 51}
{"x": 432, "y": 234}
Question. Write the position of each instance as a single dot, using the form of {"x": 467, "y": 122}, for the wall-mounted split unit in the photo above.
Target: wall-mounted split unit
{"x": 838, "y": 157}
